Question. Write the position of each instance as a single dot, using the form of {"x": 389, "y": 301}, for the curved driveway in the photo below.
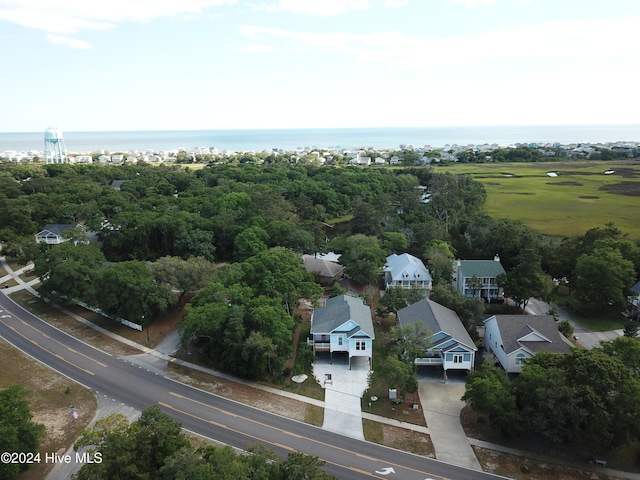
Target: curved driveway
{"x": 212, "y": 416}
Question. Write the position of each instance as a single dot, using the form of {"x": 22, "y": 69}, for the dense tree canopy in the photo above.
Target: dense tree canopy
{"x": 69, "y": 270}
{"x": 585, "y": 396}
{"x": 18, "y": 433}
{"x": 154, "y": 447}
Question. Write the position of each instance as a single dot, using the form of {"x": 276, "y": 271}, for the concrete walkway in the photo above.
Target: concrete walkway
{"x": 439, "y": 409}
{"x": 441, "y": 406}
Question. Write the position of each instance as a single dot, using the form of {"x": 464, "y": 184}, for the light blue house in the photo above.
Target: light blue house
{"x": 451, "y": 345}
{"x": 343, "y": 325}
{"x": 407, "y": 271}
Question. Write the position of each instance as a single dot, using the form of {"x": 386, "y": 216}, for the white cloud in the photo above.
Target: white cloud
{"x": 319, "y": 7}
{"x": 471, "y": 3}
{"x": 74, "y": 16}
{"x": 585, "y": 41}
{"x": 396, "y": 3}
{"x": 68, "y": 41}
{"x": 256, "y": 48}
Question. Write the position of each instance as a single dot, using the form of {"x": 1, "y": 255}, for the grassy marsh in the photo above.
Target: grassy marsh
{"x": 580, "y": 197}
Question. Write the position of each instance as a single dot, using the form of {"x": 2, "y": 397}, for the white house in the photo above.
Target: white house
{"x": 451, "y": 345}
{"x": 514, "y": 338}
{"x": 53, "y": 233}
{"x": 465, "y": 272}
{"x": 343, "y": 325}
{"x": 406, "y": 271}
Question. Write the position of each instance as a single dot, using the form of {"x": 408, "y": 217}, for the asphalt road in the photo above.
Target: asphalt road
{"x": 584, "y": 337}
{"x": 215, "y": 417}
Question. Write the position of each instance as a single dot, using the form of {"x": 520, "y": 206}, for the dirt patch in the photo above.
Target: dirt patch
{"x": 566, "y": 462}
{"x": 70, "y": 325}
{"x": 588, "y": 197}
{"x": 239, "y": 392}
{"x": 626, "y": 172}
{"x": 520, "y": 468}
{"x": 623, "y": 188}
{"x": 566, "y": 183}
{"x": 408, "y": 441}
{"x": 50, "y": 400}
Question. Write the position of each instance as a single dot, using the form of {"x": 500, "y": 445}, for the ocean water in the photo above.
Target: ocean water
{"x": 345, "y": 138}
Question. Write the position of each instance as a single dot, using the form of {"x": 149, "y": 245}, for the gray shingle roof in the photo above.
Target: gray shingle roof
{"x": 481, "y": 268}
{"x": 339, "y": 310}
{"x": 324, "y": 267}
{"x": 438, "y": 318}
{"x": 515, "y": 327}
{"x": 57, "y": 228}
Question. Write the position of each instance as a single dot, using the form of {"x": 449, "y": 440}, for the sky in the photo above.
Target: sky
{"x": 120, "y": 65}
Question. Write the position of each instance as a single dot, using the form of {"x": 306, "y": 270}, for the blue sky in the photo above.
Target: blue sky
{"x": 85, "y": 65}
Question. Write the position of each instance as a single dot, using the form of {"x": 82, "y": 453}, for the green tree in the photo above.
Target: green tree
{"x": 395, "y": 373}
{"x": 440, "y": 256}
{"x": 278, "y": 273}
{"x": 22, "y": 249}
{"x": 475, "y": 284}
{"x": 489, "y": 392}
{"x": 196, "y": 242}
{"x": 526, "y": 280}
{"x": 413, "y": 341}
{"x": 130, "y": 451}
{"x": 363, "y": 258}
{"x": 18, "y": 433}
{"x": 128, "y": 290}
{"x": 250, "y": 242}
{"x": 603, "y": 278}
{"x": 565, "y": 328}
{"x": 186, "y": 276}
{"x": 69, "y": 270}
{"x": 395, "y": 242}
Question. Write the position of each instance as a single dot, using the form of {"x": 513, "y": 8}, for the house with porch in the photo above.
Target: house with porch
{"x": 477, "y": 278}
{"x": 451, "y": 346}
{"x": 514, "y": 338}
{"x": 343, "y": 325}
{"x": 407, "y": 271}
{"x": 633, "y": 303}
{"x": 53, "y": 233}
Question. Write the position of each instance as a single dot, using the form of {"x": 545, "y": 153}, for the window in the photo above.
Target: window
{"x": 520, "y": 358}
{"x": 360, "y": 345}
{"x": 457, "y": 358}
{"x": 339, "y": 340}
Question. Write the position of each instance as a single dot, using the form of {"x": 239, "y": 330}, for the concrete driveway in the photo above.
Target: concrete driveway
{"x": 342, "y": 407}
{"x": 441, "y": 405}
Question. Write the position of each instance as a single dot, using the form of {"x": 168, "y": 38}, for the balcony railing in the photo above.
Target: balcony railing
{"x": 429, "y": 361}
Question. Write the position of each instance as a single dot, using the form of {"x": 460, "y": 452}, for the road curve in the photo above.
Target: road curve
{"x": 210, "y": 415}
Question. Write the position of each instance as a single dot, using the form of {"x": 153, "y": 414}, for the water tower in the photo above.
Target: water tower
{"x": 54, "y": 149}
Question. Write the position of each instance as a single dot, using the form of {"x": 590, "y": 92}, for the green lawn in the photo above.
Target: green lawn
{"x": 566, "y": 205}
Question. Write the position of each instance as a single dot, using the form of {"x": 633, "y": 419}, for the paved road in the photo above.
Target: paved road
{"x": 584, "y": 337}
{"x": 117, "y": 380}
